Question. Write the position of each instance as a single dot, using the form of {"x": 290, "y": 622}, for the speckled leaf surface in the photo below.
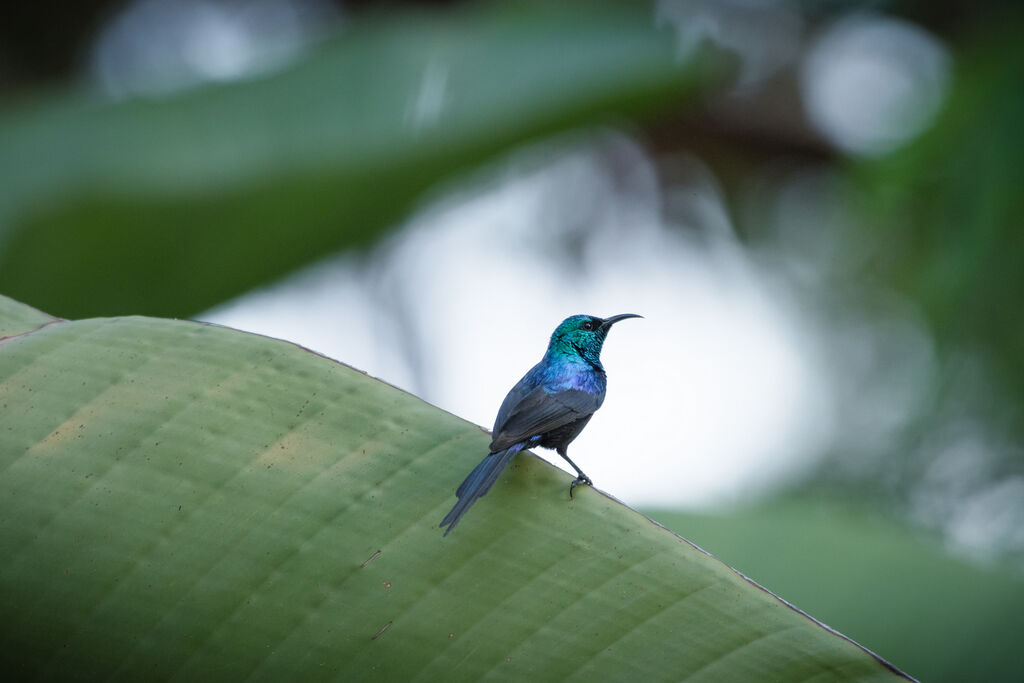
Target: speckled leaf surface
{"x": 183, "y": 501}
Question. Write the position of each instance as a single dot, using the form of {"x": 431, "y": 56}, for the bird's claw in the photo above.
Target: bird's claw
{"x": 582, "y": 479}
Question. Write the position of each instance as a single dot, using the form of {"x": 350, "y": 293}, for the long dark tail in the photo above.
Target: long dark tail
{"x": 478, "y": 483}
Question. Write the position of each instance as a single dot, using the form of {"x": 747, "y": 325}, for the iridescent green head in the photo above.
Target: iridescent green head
{"x": 583, "y": 335}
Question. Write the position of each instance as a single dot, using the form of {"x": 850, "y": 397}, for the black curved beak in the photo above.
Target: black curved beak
{"x": 608, "y": 322}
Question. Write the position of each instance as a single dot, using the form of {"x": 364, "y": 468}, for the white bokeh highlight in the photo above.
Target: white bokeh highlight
{"x": 154, "y": 48}
{"x": 870, "y": 83}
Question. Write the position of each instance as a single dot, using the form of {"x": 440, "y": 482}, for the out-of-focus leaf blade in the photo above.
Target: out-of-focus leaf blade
{"x": 170, "y": 206}
{"x": 188, "y": 501}
{"x": 893, "y": 589}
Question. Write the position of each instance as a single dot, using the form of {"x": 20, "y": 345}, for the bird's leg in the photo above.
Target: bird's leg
{"x": 580, "y": 478}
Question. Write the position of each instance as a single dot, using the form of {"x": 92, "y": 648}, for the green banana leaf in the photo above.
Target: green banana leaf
{"x": 16, "y": 318}
{"x": 109, "y": 207}
{"x": 180, "y": 500}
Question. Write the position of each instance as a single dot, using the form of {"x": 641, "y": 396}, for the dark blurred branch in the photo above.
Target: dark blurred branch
{"x": 43, "y": 41}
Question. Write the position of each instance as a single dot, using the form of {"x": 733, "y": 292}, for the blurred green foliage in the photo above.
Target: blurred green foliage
{"x": 171, "y": 206}
{"x": 946, "y": 211}
{"x": 892, "y": 589}
{"x": 943, "y": 219}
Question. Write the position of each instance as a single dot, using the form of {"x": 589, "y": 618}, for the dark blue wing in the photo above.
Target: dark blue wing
{"x": 530, "y": 381}
{"x": 534, "y": 411}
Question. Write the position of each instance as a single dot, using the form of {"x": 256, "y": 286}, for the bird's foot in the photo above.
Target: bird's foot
{"x": 582, "y": 479}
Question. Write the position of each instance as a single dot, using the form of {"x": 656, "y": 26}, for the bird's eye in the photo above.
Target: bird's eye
{"x": 587, "y": 325}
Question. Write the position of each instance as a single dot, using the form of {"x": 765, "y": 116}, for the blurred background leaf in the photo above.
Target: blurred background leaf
{"x": 800, "y": 546}
{"x": 940, "y": 216}
{"x": 169, "y": 207}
